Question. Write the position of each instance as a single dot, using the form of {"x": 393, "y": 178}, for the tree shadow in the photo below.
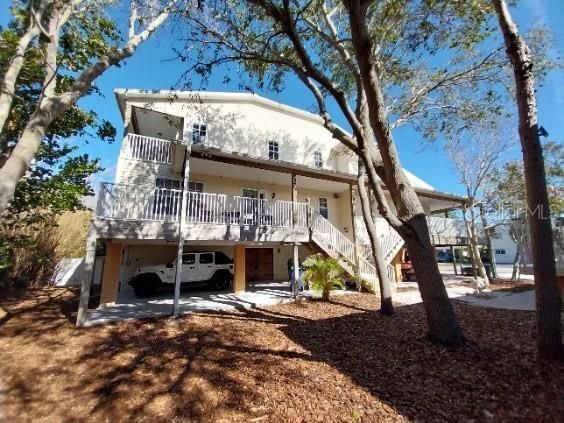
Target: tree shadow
{"x": 392, "y": 359}
{"x": 286, "y": 363}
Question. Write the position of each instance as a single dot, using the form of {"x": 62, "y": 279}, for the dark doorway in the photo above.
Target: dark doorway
{"x": 259, "y": 264}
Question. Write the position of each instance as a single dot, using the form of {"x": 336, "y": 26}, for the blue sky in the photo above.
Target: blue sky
{"x": 152, "y": 68}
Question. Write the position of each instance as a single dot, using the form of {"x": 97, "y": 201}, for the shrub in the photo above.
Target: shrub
{"x": 29, "y": 255}
{"x": 323, "y": 273}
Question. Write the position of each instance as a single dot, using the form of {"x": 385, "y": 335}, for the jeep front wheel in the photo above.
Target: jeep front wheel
{"x": 146, "y": 285}
{"x": 221, "y": 281}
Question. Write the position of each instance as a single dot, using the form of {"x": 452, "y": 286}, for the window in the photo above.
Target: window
{"x": 317, "y": 159}
{"x": 323, "y": 207}
{"x": 500, "y": 252}
{"x": 495, "y": 235}
{"x": 195, "y": 186}
{"x": 188, "y": 258}
{"x": 166, "y": 199}
{"x": 199, "y": 133}
{"x": 221, "y": 258}
{"x": 168, "y": 183}
{"x": 206, "y": 258}
{"x": 273, "y": 150}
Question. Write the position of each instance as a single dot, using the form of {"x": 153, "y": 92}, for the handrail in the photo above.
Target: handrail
{"x": 332, "y": 237}
{"x": 336, "y": 244}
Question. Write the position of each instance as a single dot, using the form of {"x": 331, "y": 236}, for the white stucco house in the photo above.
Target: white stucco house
{"x": 265, "y": 181}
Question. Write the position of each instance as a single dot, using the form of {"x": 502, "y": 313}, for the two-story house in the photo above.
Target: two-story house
{"x": 265, "y": 180}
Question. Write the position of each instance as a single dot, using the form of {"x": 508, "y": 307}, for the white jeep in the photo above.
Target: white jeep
{"x": 212, "y": 267}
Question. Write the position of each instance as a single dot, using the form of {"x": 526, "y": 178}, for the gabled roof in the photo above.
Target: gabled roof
{"x": 214, "y": 96}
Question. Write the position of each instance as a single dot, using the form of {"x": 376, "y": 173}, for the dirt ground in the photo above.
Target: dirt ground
{"x": 337, "y": 361}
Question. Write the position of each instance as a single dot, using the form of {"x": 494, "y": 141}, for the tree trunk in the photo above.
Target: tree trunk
{"x": 475, "y": 248}
{"x": 386, "y": 304}
{"x": 516, "y": 273}
{"x": 548, "y": 305}
{"x": 53, "y": 105}
{"x": 491, "y": 252}
{"x": 8, "y": 87}
{"x": 469, "y": 238}
{"x": 443, "y": 325}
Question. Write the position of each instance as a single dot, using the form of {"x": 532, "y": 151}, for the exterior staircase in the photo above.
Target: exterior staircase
{"x": 327, "y": 238}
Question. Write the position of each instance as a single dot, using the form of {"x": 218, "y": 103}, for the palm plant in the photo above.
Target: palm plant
{"x": 323, "y": 273}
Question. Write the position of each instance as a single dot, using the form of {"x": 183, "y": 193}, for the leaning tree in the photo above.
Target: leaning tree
{"x": 548, "y": 303}
{"x": 362, "y": 62}
{"x": 78, "y": 43}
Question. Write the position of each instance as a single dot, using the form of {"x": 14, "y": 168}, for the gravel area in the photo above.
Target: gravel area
{"x": 309, "y": 362}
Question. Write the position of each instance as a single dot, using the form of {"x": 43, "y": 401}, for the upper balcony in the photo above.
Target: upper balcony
{"x": 124, "y": 208}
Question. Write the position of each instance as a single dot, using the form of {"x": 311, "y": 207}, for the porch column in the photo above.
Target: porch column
{"x": 296, "y": 258}
{"x": 357, "y": 252}
{"x": 239, "y": 277}
{"x": 181, "y": 217}
{"x": 453, "y": 259}
{"x": 112, "y": 272}
{"x": 296, "y": 281}
{"x": 87, "y": 275}
{"x": 294, "y": 201}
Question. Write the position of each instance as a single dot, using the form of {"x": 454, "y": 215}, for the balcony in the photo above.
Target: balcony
{"x": 130, "y": 202}
{"x": 446, "y": 230}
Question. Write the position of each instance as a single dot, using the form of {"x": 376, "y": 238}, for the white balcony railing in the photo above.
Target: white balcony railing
{"x": 446, "y": 227}
{"x": 130, "y": 202}
{"x": 151, "y": 149}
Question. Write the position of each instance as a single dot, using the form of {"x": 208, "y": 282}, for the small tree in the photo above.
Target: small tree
{"x": 323, "y": 274}
{"x": 475, "y": 154}
{"x": 506, "y": 197}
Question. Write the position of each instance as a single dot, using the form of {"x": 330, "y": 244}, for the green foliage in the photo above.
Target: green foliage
{"x": 323, "y": 274}
{"x": 59, "y": 178}
{"x": 441, "y": 62}
{"x": 506, "y": 192}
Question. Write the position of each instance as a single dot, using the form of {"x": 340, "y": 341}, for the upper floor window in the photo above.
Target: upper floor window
{"x": 500, "y": 252}
{"x": 168, "y": 183}
{"x": 273, "y": 150}
{"x": 199, "y": 133}
{"x": 195, "y": 186}
{"x": 317, "y": 159}
{"x": 323, "y": 207}
{"x": 165, "y": 200}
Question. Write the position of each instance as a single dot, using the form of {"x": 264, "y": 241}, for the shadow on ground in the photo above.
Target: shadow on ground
{"x": 337, "y": 361}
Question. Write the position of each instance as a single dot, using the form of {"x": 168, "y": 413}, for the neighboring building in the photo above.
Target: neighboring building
{"x": 263, "y": 177}
{"x": 504, "y": 246}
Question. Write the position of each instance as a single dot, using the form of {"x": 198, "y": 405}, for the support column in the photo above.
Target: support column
{"x": 294, "y": 201}
{"x": 239, "y": 277}
{"x": 357, "y": 252}
{"x": 111, "y": 275}
{"x": 296, "y": 257}
{"x": 181, "y": 218}
{"x": 453, "y": 259}
{"x": 296, "y": 281}
{"x": 87, "y": 276}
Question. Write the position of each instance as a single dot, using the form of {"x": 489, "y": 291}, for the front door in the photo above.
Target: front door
{"x": 259, "y": 264}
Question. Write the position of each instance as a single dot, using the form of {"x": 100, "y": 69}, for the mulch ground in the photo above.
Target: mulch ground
{"x": 314, "y": 361}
